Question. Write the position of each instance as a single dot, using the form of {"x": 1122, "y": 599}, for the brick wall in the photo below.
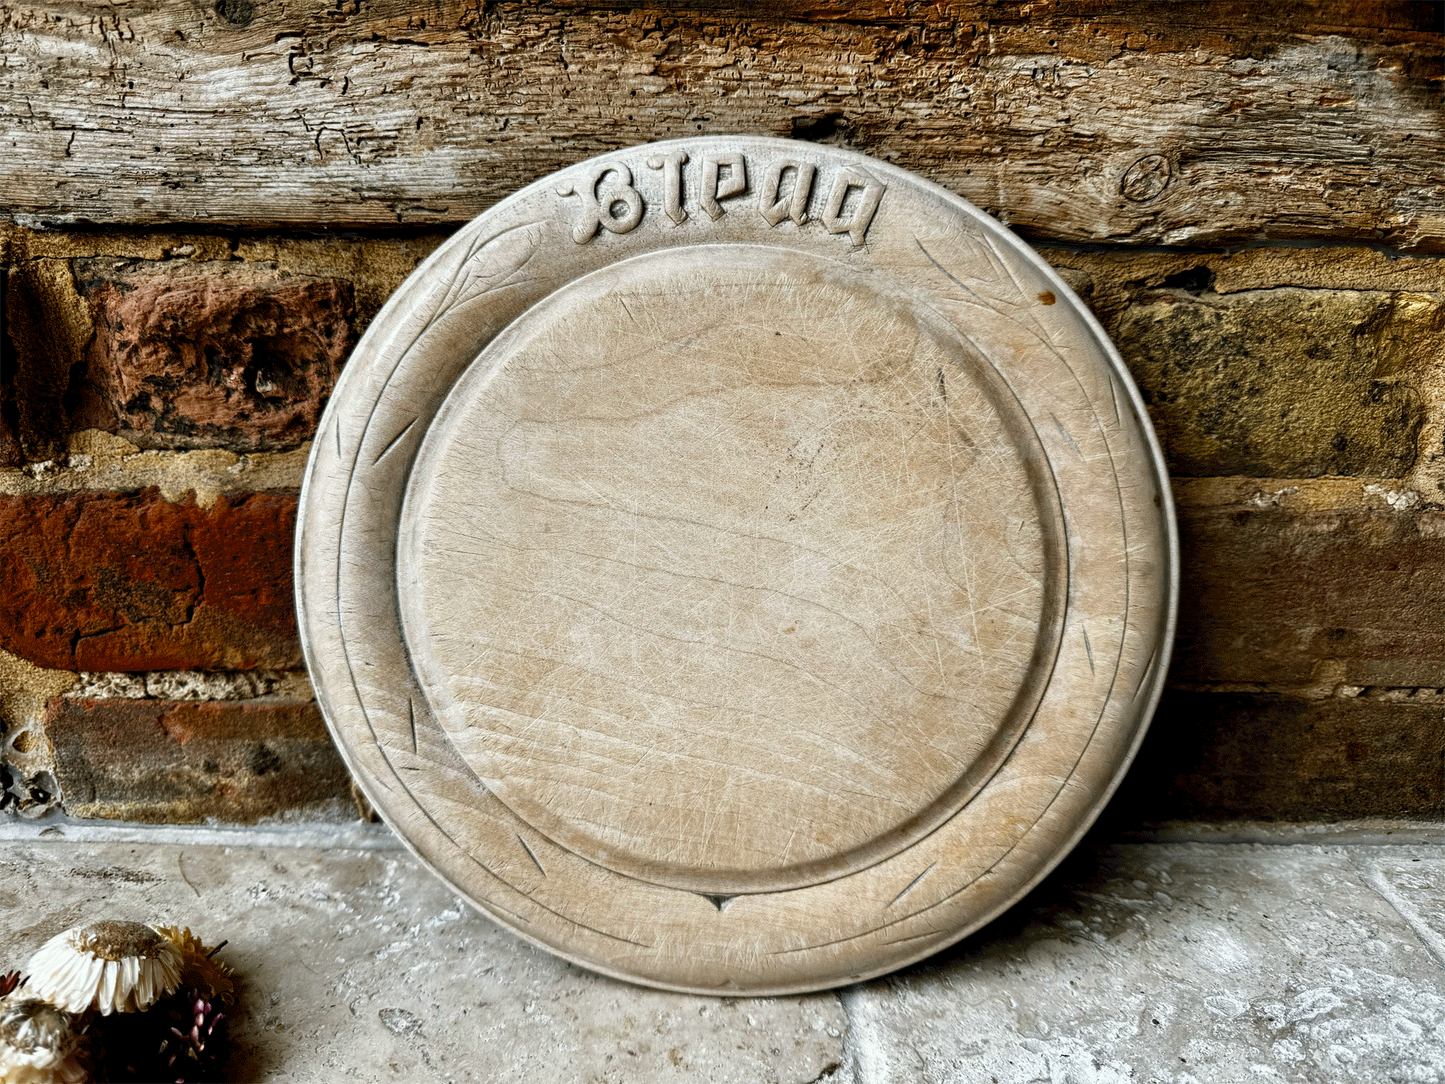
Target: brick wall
{"x": 1299, "y": 395}
{"x": 160, "y": 382}
{"x": 151, "y": 664}
{"x": 159, "y": 393}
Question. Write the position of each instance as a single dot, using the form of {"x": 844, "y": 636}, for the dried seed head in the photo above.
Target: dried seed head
{"x": 108, "y": 966}
{"x": 111, "y": 940}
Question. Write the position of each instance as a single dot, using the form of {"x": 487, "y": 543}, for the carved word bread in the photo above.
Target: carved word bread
{"x": 736, "y": 565}
{"x": 610, "y": 201}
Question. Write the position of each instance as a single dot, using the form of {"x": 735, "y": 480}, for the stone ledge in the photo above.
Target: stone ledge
{"x": 1139, "y": 961}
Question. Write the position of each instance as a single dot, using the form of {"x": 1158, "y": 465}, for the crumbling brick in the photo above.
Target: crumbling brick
{"x": 1283, "y": 383}
{"x": 207, "y": 355}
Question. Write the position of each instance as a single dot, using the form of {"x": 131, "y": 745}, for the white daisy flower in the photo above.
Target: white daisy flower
{"x": 108, "y": 966}
{"x": 37, "y": 1044}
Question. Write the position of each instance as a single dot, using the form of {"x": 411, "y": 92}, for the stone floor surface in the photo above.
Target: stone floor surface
{"x": 1157, "y": 961}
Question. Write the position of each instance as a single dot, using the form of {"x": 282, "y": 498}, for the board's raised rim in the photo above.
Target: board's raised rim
{"x": 1150, "y": 689}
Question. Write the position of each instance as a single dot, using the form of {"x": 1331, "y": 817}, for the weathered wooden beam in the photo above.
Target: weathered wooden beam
{"x": 1197, "y": 124}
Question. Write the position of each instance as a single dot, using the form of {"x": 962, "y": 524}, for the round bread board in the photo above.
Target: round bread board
{"x": 737, "y": 565}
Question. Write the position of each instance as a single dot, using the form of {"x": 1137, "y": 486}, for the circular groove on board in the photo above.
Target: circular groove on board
{"x": 736, "y": 565}
{"x": 794, "y": 657}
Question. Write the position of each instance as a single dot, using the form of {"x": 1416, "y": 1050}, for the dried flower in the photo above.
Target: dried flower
{"x": 108, "y": 966}
{"x": 37, "y": 1044}
{"x": 194, "y": 1054}
{"x": 200, "y": 969}
{"x": 180, "y": 1038}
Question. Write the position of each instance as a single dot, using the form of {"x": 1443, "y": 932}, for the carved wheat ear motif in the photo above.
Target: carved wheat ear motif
{"x": 491, "y": 262}
{"x": 772, "y": 592}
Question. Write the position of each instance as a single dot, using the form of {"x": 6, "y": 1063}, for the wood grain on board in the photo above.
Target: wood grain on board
{"x": 1198, "y": 124}
{"x": 737, "y": 565}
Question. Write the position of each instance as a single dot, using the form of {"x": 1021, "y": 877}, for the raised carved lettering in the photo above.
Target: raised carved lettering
{"x": 715, "y": 188}
{"x": 856, "y": 225}
{"x": 609, "y": 200}
{"x": 770, "y": 200}
{"x": 671, "y": 166}
{"x": 600, "y": 203}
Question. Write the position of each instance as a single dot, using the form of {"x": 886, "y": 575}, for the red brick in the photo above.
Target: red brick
{"x": 1292, "y": 597}
{"x": 207, "y": 355}
{"x": 1212, "y": 756}
{"x": 111, "y": 581}
{"x": 188, "y": 762}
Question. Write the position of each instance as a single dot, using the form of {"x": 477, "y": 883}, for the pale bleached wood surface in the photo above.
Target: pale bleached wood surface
{"x": 1140, "y": 124}
{"x": 729, "y": 568}
{"x": 736, "y": 587}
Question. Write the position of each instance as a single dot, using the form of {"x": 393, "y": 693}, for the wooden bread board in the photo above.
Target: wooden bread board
{"x": 737, "y": 565}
